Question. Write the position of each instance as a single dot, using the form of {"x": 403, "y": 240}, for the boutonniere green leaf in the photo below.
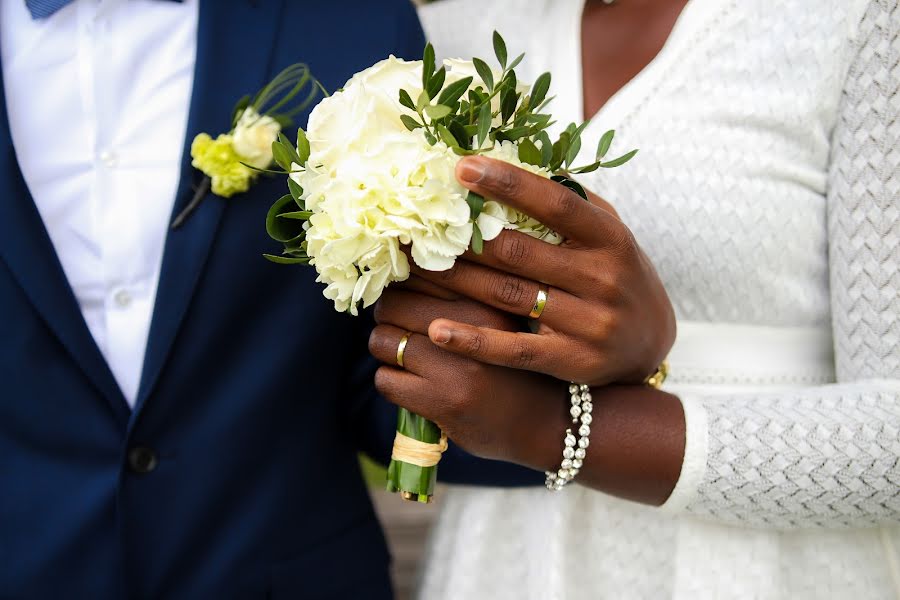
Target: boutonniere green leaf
{"x": 232, "y": 161}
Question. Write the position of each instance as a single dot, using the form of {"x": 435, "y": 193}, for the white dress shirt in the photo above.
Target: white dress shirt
{"x": 98, "y": 97}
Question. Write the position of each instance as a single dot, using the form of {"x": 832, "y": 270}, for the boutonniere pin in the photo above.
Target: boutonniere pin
{"x": 232, "y": 161}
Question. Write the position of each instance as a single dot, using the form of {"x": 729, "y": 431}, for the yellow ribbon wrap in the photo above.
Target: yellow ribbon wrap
{"x": 420, "y": 454}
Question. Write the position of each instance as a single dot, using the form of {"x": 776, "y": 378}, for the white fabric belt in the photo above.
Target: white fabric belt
{"x": 731, "y": 354}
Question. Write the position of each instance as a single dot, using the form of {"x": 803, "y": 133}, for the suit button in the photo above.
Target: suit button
{"x": 142, "y": 460}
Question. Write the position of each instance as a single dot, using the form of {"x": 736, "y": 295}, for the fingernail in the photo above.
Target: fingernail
{"x": 441, "y": 335}
{"x": 471, "y": 170}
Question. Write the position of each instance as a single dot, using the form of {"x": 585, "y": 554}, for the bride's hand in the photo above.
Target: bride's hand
{"x": 607, "y": 317}
{"x": 520, "y": 416}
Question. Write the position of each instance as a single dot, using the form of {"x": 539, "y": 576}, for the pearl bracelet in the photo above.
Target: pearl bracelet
{"x": 574, "y": 449}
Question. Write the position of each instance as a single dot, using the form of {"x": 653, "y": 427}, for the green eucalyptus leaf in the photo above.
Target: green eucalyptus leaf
{"x": 286, "y": 231}
{"x": 463, "y": 151}
{"x": 427, "y": 65}
{"x": 422, "y": 101}
{"x": 476, "y": 204}
{"x": 292, "y": 151}
{"x": 447, "y": 136}
{"x": 560, "y": 147}
{"x": 587, "y": 168}
{"x": 430, "y": 138}
{"x": 514, "y": 133}
{"x": 410, "y": 123}
{"x": 571, "y": 184}
{"x": 453, "y": 92}
{"x": 406, "y": 100}
{"x": 477, "y": 239}
{"x": 529, "y": 153}
{"x": 575, "y": 144}
{"x": 437, "y": 111}
{"x": 302, "y": 147}
{"x": 484, "y": 71}
{"x": 297, "y": 215}
{"x": 283, "y": 155}
{"x": 574, "y": 149}
{"x": 539, "y": 89}
{"x": 296, "y": 192}
{"x": 286, "y": 260}
{"x": 516, "y": 61}
{"x": 437, "y": 82}
{"x": 484, "y": 123}
{"x": 500, "y": 49}
{"x": 605, "y": 143}
{"x": 508, "y": 100}
{"x": 618, "y": 162}
{"x": 460, "y": 133}
{"x": 546, "y": 148}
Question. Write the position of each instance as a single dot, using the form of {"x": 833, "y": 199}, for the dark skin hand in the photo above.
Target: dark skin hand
{"x": 612, "y": 321}
{"x": 607, "y": 314}
{"x": 637, "y": 439}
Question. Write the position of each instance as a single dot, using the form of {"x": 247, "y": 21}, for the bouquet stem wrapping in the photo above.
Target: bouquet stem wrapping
{"x": 414, "y": 482}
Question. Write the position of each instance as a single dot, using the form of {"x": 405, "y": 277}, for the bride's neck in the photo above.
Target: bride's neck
{"x": 618, "y": 40}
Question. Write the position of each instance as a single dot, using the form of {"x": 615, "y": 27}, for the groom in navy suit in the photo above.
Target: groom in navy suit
{"x": 231, "y": 470}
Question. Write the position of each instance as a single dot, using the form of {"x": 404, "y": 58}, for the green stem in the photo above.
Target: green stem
{"x": 418, "y": 482}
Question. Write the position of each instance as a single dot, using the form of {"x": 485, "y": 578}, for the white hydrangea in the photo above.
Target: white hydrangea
{"x": 373, "y": 186}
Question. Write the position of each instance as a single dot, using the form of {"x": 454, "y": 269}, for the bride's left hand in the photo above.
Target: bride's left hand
{"x": 607, "y": 317}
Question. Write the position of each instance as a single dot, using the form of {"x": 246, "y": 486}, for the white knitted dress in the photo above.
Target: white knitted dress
{"x": 767, "y": 193}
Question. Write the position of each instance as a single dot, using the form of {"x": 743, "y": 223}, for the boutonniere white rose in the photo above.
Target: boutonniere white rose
{"x": 232, "y": 161}
{"x": 373, "y": 173}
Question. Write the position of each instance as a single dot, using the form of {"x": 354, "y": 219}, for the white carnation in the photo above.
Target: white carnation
{"x": 253, "y": 136}
{"x": 373, "y": 186}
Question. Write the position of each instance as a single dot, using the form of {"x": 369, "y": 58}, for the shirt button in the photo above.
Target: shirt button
{"x": 122, "y": 299}
{"x": 142, "y": 460}
{"x": 108, "y": 158}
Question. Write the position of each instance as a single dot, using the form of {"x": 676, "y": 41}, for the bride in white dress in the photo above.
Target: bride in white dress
{"x": 767, "y": 194}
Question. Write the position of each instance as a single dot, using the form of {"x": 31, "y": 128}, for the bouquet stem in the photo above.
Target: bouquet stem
{"x": 415, "y": 482}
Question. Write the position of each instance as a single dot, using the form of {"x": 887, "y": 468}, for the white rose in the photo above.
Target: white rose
{"x": 253, "y": 137}
{"x": 373, "y": 186}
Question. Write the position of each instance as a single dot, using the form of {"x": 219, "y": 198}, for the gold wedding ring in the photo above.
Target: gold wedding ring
{"x": 539, "y": 303}
{"x": 401, "y": 348}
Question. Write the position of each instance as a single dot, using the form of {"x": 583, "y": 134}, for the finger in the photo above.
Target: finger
{"x": 603, "y": 204}
{"x": 418, "y": 354}
{"x": 521, "y": 254}
{"x": 526, "y": 351}
{"x": 554, "y": 205}
{"x": 406, "y": 390}
{"x": 415, "y": 312}
{"x": 509, "y": 293}
{"x": 423, "y": 286}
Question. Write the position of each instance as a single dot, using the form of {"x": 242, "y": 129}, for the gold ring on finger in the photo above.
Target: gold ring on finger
{"x": 401, "y": 348}
{"x": 539, "y": 303}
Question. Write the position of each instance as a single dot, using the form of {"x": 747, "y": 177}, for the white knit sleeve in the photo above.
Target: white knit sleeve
{"x": 827, "y": 456}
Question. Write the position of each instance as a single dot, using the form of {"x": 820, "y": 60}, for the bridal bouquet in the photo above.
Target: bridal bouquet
{"x": 374, "y": 173}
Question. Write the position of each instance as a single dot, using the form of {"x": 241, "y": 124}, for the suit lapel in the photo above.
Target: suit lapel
{"x": 27, "y": 250}
{"x": 227, "y": 68}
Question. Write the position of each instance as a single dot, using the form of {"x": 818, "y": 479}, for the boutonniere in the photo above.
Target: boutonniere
{"x": 232, "y": 161}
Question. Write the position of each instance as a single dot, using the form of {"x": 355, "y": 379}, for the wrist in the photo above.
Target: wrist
{"x": 539, "y": 445}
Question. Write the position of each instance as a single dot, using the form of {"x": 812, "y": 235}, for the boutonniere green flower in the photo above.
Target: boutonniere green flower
{"x": 232, "y": 161}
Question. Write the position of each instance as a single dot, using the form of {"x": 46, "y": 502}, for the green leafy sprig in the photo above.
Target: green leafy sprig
{"x": 467, "y": 121}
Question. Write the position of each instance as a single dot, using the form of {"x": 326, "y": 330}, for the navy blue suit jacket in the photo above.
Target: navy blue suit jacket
{"x": 255, "y": 398}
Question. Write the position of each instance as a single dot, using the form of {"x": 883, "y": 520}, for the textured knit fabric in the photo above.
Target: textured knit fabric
{"x": 767, "y": 193}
